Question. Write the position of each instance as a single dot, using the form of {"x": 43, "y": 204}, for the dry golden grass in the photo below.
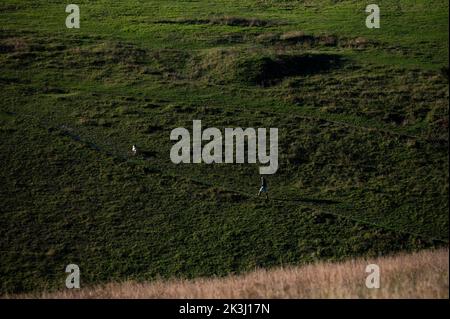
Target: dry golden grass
{"x": 419, "y": 275}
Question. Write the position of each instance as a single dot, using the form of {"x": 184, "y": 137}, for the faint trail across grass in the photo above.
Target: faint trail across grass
{"x": 65, "y": 130}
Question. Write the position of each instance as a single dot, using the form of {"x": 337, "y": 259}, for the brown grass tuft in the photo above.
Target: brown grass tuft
{"x": 15, "y": 44}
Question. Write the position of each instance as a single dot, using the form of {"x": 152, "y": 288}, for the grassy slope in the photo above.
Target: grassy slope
{"x": 419, "y": 275}
{"x": 363, "y": 154}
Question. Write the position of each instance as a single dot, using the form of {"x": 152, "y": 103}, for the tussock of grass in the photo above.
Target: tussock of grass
{"x": 300, "y": 37}
{"x": 303, "y": 39}
{"x": 13, "y": 44}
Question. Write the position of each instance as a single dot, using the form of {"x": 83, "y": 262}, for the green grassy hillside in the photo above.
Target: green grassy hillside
{"x": 362, "y": 117}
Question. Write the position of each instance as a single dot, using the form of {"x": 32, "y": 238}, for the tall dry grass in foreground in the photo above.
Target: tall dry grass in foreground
{"x": 419, "y": 275}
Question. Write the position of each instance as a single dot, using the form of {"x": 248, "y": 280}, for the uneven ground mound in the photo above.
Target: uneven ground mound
{"x": 226, "y": 65}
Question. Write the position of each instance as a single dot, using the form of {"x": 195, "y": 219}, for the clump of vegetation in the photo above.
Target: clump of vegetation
{"x": 300, "y": 37}
{"x": 13, "y": 44}
{"x": 305, "y": 40}
{"x": 223, "y": 20}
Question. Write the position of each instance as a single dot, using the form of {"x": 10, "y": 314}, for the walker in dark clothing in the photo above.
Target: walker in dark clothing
{"x": 263, "y": 188}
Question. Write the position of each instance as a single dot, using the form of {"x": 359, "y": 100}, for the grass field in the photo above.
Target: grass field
{"x": 362, "y": 117}
{"x": 418, "y": 275}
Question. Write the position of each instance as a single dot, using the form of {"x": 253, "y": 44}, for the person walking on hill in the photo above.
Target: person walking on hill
{"x": 263, "y": 188}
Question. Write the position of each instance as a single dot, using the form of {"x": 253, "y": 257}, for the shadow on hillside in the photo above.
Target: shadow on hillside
{"x": 270, "y": 70}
